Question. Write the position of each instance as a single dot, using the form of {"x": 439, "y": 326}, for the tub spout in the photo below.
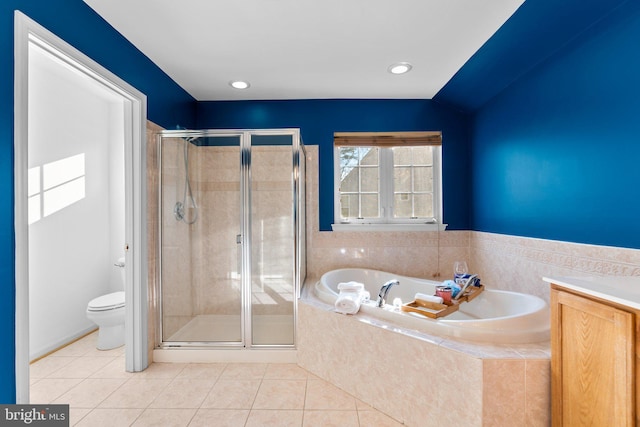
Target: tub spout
{"x": 384, "y": 290}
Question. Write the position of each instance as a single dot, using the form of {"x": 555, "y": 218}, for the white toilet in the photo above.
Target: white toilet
{"x": 107, "y": 312}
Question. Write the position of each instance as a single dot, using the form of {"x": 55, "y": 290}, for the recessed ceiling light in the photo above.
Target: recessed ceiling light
{"x": 239, "y": 84}
{"x": 399, "y": 68}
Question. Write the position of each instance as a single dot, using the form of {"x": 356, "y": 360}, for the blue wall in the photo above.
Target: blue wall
{"x": 319, "y": 119}
{"x": 75, "y": 22}
{"x": 533, "y": 33}
{"x": 557, "y": 154}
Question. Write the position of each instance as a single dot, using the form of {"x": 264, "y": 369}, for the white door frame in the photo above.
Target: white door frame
{"x": 27, "y": 31}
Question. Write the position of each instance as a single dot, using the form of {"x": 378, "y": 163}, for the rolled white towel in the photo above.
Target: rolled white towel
{"x": 348, "y": 302}
{"x": 350, "y": 286}
{"x": 428, "y": 298}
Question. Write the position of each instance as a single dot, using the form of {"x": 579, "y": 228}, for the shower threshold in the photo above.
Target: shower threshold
{"x": 276, "y": 330}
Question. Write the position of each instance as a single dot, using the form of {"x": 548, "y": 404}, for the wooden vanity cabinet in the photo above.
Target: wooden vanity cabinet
{"x": 594, "y": 361}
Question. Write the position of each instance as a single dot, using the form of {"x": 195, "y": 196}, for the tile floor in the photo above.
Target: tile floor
{"x": 100, "y": 393}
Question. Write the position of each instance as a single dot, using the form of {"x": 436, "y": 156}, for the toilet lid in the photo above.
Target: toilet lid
{"x": 107, "y": 302}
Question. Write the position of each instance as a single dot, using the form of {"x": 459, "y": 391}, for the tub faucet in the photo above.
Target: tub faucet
{"x": 384, "y": 290}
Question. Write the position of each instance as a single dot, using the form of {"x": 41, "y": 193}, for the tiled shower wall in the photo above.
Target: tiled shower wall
{"x": 152, "y": 231}
{"x": 215, "y": 261}
{"x": 502, "y": 261}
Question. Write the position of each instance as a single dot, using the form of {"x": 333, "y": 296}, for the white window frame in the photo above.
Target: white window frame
{"x": 386, "y": 222}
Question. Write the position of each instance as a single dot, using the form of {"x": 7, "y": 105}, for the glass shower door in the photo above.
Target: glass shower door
{"x": 201, "y": 255}
{"x": 272, "y": 239}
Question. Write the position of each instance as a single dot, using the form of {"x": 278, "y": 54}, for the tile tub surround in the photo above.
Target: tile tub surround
{"x": 519, "y": 263}
{"x": 418, "y": 379}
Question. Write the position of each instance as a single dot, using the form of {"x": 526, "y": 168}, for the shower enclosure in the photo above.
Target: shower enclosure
{"x": 232, "y": 245}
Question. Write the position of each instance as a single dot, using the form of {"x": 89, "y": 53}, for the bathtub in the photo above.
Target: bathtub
{"x": 494, "y": 316}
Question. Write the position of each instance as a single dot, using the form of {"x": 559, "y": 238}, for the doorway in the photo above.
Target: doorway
{"x": 40, "y": 196}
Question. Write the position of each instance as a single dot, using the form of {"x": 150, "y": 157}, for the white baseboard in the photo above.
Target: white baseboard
{"x": 33, "y": 355}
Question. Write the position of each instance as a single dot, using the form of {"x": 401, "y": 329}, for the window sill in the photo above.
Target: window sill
{"x": 388, "y": 227}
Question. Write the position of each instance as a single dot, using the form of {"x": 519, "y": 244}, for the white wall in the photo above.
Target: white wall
{"x": 116, "y": 192}
{"x": 71, "y": 251}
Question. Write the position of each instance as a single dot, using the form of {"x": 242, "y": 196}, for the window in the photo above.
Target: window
{"x": 388, "y": 180}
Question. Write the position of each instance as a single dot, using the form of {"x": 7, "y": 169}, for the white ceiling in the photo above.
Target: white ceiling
{"x": 306, "y": 49}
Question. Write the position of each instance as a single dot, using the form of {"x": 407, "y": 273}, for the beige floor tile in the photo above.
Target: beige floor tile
{"x": 220, "y": 418}
{"x": 114, "y": 369}
{"x": 90, "y": 392}
{"x": 165, "y": 418}
{"x": 183, "y": 393}
{"x": 232, "y": 394}
{"x": 194, "y": 394}
{"x": 109, "y": 418}
{"x": 244, "y": 371}
{"x": 361, "y": 406}
{"x": 281, "y": 394}
{"x": 47, "y": 366}
{"x": 274, "y": 418}
{"x": 77, "y": 414}
{"x": 376, "y": 419}
{"x": 82, "y": 367}
{"x": 49, "y": 389}
{"x": 115, "y": 352}
{"x": 162, "y": 370}
{"x": 209, "y": 371}
{"x": 78, "y": 348}
{"x": 135, "y": 393}
{"x": 285, "y": 371}
{"x": 323, "y": 395}
{"x": 330, "y": 419}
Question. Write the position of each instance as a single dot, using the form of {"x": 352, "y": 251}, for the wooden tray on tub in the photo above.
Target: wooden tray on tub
{"x": 429, "y": 309}
{"x": 435, "y": 310}
{"x": 470, "y": 293}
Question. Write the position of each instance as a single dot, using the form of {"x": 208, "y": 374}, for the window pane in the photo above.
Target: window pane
{"x": 402, "y": 179}
{"x": 369, "y": 179}
{"x": 370, "y": 206}
{"x": 402, "y": 205}
{"x": 422, "y": 155}
{"x": 349, "y": 205}
{"x": 402, "y": 156}
{"x": 369, "y": 156}
{"x": 349, "y": 181}
{"x": 423, "y": 205}
{"x": 423, "y": 178}
{"x": 405, "y": 172}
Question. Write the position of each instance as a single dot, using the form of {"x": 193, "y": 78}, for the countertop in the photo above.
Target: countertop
{"x": 620, "y": 289}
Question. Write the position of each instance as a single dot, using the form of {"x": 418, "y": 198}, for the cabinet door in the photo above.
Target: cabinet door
{"x": 592, "y": 347}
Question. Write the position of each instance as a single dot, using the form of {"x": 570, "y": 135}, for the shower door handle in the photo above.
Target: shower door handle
{"x": 239, "y": 238}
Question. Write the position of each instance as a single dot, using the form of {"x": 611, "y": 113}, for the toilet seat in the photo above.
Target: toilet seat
{"x": 106, "y": 302}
